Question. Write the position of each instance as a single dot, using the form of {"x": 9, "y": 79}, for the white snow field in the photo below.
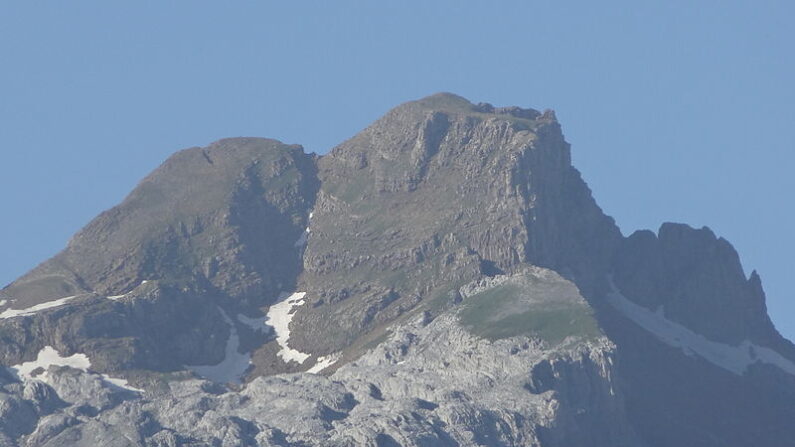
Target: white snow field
{"x": 235, "y": 363}
{"x": 11, "y": 313}
{"x": 323, "y": 363}
{"x": 735, "y": 359}
{"x": 120, "y": 383}
{"x": 118, "y": 297}
{"x": 48, "y": 356}
{"x": 279, "y": 317}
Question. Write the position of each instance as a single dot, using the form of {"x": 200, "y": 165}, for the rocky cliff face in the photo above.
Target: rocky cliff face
{"x": 435, "y": 194}
{"x": 442, "y": 278}
{"x": 689, "y": 274}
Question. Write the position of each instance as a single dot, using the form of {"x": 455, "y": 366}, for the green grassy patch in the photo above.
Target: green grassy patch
{"x": 502, "y": 312}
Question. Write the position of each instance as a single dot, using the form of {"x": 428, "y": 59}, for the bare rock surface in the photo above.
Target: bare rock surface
{"x": 432, "y": 382}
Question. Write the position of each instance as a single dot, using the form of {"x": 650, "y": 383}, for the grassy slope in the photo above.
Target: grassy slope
{"x": 509, "y": 309}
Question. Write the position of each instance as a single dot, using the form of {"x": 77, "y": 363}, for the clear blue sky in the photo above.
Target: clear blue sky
{"x": 676, "y": 110}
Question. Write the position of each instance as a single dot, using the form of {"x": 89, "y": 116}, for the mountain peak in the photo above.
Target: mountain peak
{"x": 454, "y": 104}
{"x": 436, "y": 192}
{"x": 176, "y": 216}
{"x": 444, "y": 100}
{"x": 442, "y": 262}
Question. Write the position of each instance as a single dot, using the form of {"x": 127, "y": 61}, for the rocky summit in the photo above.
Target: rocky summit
{"x": 442, "y": 278}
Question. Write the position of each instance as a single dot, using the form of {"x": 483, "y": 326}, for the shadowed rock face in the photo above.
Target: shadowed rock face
{"x": 694, "y": 279}
{"x": 692, "y": 274}
{"x": 453, "y": 276}
{"x": 222, "y": 217}
{"x": 211, "y": 228}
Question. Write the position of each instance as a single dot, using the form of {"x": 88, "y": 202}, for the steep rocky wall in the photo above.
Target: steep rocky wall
{"x": 435, "y": 194}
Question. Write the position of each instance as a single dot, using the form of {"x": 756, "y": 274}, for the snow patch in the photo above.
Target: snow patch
{"x": 233, "y": 366}
{"x": 735, "y": 359}
{"x": 11, "y": 313}
{"x": 48, "y": 356}
{"x": 324, "y": 362}
{"x": 304, "y": 236}
{"x": 279, "y": 317}
{"x": 118, "y": 297}
{"x": 3, "y": 302}
{"x": 120, "y": 383}
{"x": 302, "y": 240}
{"x": 257, "y": 324}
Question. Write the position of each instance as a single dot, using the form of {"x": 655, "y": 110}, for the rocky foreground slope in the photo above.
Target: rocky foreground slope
{"x": 442, "y": 278}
